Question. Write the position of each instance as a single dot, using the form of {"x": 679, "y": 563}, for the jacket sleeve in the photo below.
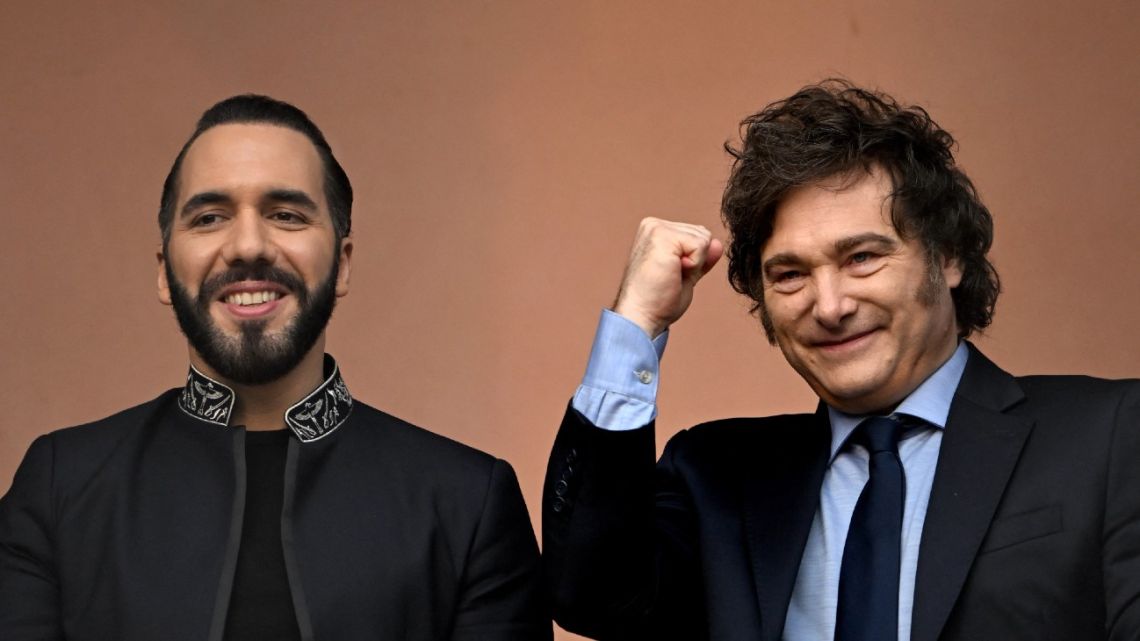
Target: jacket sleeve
{"x": 501, "y": 598}
{"x": 29, "y": 589}
{"x": 619, "y": 540}
{"x": 1121, "y": 556}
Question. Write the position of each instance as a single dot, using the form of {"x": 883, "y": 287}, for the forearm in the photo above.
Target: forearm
{"x": 617, "y": 542}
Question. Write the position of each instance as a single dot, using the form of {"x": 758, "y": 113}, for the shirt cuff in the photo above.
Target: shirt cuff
{"x": 619, "y": 390}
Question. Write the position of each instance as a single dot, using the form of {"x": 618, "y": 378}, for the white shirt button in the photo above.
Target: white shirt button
{"x": 645, "y": 376}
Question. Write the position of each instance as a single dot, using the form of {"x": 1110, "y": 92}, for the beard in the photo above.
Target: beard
{"x": 253, "y": 357}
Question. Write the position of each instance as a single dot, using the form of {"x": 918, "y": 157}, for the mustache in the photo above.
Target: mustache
{"x": 259, "y": 272}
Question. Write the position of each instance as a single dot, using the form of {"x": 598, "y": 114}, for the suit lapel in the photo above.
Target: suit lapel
{"x": 980, "y": 448}
{"x": 782, "y": 494}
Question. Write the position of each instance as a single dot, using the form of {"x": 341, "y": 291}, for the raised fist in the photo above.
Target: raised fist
{"x": 664, "y": 266}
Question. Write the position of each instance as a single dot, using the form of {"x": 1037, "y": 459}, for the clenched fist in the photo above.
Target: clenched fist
{"x": 665, "y": 264}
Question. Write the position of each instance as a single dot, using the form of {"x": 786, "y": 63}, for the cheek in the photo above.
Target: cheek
{"x": 784, "y": 310}
{"x": 309, "y": 258}
{"x": 897, "y": 300}
{"x": 190, "y": 262}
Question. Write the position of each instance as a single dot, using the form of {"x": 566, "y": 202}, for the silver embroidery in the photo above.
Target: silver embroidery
{"x": 321, "y": 412}
{"x": 311, "y": 412}
{"x": 206, "y": 399}
{"x": 315, "y": 416}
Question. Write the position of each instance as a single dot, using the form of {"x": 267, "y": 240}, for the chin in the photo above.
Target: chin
{"x": 853, "y": 396}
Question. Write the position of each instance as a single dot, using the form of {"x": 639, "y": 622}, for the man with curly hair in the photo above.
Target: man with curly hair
{"x": 930, "y": 496}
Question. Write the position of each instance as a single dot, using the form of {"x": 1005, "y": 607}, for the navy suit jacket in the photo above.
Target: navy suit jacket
{"x": 1032, "y": 530}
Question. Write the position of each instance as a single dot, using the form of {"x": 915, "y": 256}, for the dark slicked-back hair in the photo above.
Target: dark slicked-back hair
{"x": 837, "y": 129}
{"x": 255, "y": 109}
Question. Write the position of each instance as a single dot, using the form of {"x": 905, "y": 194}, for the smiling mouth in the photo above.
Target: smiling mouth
{"x": 252, "y": 300}
{"x": 245, "y": 299}
{"x": 843, "y": 342}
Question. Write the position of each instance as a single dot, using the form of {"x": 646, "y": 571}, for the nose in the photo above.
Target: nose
{"x": 833, "y": 303}
{"x": 249, "y": 240}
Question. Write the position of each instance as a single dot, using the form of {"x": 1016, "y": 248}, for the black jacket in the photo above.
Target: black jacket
{"x": 128, "y": 528}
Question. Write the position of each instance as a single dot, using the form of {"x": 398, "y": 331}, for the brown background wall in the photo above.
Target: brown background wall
{"x": 502, "y": 154}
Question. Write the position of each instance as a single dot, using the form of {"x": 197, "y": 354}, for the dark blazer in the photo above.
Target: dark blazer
{"x": 1032, "y": 530}
{"x": 128, "y": 529}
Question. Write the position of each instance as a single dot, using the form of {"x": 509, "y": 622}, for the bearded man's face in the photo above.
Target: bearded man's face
{"x": 253, "y": 264}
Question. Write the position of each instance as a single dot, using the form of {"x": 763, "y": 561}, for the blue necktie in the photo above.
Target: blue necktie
{"x": 868, "y": 607}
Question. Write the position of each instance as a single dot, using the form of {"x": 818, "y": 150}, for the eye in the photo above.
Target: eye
{"x": 863, "y": 262}
{"x": 787, "y": 281}
{"x": 206, "y": 219}
{"x": 288, "y": 217}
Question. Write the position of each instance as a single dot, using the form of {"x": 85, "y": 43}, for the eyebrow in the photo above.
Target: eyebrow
{"x": 204, "y": 198}
{"x": 842, "y": 246}
{"x": 287, "y": 196}
{"x": 290, "y": 196}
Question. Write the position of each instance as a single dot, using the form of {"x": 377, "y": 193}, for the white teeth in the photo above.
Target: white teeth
{"x": 251, "y": 298}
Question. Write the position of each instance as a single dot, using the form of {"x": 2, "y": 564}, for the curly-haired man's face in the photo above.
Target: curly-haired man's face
{"x": 857, "y": 310}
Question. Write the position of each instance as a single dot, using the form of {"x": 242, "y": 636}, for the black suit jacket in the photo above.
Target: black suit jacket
{"x": 128, "y": 529}
{"x": 1032, "y": 530}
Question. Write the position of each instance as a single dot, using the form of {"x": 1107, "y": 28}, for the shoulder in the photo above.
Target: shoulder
{"x": 1078, "y": 384}
{"x": 73, "y": 448}
{"x": 744, "y": 442}
{"x": 108, "y": 430}
{"x": 1045, "y": 398}
{"x": 732, "y": 432}
{"x": 418, "y": 449}
{"x": 67, "y": 457}
{"x": 1071, "y": 413}
{"x": 457, "y": 482}
{"x": 1084, "y": 395}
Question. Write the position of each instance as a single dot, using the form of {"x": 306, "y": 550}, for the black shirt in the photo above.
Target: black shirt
{"x": 261, "y": 606}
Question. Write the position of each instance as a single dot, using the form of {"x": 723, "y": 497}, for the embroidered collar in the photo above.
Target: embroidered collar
{"x": 313, "y": 417}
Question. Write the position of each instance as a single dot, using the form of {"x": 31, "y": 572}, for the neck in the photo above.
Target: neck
{"x": 263, "y": 407}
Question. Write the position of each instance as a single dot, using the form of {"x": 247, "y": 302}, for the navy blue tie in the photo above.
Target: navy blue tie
{"x": 868, "y": 607}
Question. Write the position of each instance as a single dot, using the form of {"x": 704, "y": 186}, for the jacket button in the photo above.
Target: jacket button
{"x": 558, "y": 505}
{"x": 560, "y": 488}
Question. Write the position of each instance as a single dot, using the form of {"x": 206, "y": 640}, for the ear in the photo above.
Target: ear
{"x": 951, "y": 272}
{"x": 344, "y": 260}
{"x": 163, "y": 285}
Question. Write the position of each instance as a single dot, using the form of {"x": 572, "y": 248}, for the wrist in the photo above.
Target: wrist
{"x": 649, "y": 324}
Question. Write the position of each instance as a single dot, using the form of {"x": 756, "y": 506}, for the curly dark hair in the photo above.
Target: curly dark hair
{"x": 834, "y": 129}
{"x": 257, "y": 109}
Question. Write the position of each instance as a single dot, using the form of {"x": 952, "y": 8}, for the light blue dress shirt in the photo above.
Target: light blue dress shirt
{"x": 619, "y": 392}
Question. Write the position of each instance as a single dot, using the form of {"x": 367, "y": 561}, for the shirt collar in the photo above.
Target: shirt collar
{"x": 929, "y": 402}
{"x": 313, "y": 417}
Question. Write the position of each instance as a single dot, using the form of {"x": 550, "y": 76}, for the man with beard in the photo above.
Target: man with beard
{"x": 261, "y": 500}
{"x": 931, "y": 495}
